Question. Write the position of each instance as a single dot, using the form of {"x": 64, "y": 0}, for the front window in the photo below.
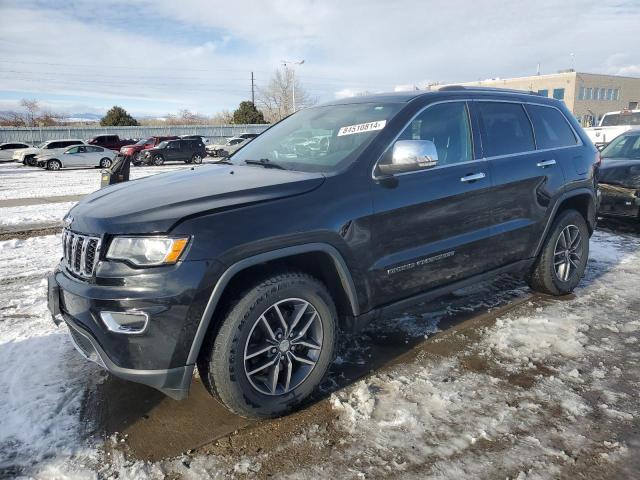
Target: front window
{"x": 319, "y": 139}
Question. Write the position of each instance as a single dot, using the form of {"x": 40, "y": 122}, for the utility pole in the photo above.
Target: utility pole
{"x": 253, "y": 94}
{"x": 293, "y": 80}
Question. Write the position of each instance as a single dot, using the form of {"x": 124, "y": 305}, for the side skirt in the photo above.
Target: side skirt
{"x": 358, "y": 323}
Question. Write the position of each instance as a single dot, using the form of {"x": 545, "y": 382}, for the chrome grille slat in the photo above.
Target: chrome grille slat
{"x": 80, "y": 253}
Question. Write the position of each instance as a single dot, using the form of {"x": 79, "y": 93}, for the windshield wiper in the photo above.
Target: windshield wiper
{"x": 264, "y": 162}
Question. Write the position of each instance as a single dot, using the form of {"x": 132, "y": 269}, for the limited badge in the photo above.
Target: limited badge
{"x": 362, "y": 128}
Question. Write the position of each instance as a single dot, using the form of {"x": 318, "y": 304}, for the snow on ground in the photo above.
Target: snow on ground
{"x": 546, "y": 385}
{"x": 18, "y": 181}
{"x": 33, "y": 214}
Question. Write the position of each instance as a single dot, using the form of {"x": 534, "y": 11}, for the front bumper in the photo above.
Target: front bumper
{"x": 174, "y": 301}
{"x": 618, "y": 201}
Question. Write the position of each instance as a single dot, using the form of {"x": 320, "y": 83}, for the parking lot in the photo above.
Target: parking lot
{"x": 491, "y": 381}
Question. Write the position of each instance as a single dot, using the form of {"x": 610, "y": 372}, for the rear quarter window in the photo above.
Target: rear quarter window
{"x": 507, "y": 129}
{"x": 551, "y": 127}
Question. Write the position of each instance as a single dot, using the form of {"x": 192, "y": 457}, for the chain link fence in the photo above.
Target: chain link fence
{"x": 34, "y": 135}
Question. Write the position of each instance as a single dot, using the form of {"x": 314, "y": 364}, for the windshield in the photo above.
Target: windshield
{"x": 624, "y": 146}
{"x": 625, "y": 118}
{"x": 319, "y": 139}
{"x": 143, "y": 141}
{"x": 162, "y": 145}
{"x": 43, "y": 144}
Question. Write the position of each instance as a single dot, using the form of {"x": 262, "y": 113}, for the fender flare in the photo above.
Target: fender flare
{"x": 220, "y": 286}
{"x": 556, "y": 206}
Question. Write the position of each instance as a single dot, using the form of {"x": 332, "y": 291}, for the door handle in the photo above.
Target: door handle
{"x": 473, "y": 177}
{"x": 546, "y": 163}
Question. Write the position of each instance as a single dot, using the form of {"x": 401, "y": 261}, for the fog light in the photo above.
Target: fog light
{"x": 125, "y": 322}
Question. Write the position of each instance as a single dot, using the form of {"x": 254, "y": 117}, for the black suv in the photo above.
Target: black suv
{"x": 249, "y": 269}
{"x": 183, "y": 150}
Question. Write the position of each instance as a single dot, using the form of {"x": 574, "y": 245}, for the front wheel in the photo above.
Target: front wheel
{"x": 564, "y": 255}
{"x": 158, "y": 160}
{"x": 274, "y": 346}
{"x": 196, "y": 158}
{"x": 54, "y": 165}
{"x": 105, "y": 163}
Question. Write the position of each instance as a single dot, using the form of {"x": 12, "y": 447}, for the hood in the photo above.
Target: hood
{"x": 620, "y": 171}
{"x": 154, "y": 204}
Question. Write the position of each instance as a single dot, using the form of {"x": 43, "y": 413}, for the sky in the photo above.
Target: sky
{"x": 155, "y": 57}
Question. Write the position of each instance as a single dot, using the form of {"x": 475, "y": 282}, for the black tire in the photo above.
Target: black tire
{"x": 196, "y": 158}
{"x": 136, "y": 159}
{"x": 158, "y": 160}
{"x": 54, "y": 165}
{"x": 30, "y": 160}
{"x": 544, "y": 276}
{"x": 105, "y": 162}
{"x": 222, "y": 364}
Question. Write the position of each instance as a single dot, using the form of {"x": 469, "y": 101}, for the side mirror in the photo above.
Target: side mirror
{"x": 409, "y": 156}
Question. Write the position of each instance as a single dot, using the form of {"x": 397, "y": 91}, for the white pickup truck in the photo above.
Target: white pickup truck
{"x": 612, "y": 125}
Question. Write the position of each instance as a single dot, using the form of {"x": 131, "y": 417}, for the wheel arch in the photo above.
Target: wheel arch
{"x": 583, "y": 200}
{"x": 318, "y": 259}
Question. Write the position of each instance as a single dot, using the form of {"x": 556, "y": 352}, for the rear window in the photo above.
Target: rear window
{"x": 507, "y": 129}
{"x": 551, "y": 127}
{"x": 624, "y": 118}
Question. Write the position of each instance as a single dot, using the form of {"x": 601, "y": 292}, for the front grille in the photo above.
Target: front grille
{"x": 80, "y": 253}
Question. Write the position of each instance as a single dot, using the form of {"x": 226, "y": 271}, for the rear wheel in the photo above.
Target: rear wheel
{"x": 274, "y": 346}
{"x": 105, "y": 163}
{"x": 30, "y": 160}
{"x": 54, "y": 165}
{"x": 564, "y": 255}
{"x": 158, "y": 160}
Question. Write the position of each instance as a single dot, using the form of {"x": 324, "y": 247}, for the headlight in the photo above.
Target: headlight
{"x": 147, "y": 251}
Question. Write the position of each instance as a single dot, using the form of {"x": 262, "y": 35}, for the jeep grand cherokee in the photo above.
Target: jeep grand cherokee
{"x": 248, "y": 270}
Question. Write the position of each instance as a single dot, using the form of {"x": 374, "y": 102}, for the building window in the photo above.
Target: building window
{"x": 602, "y": 94}
{"x": 581, "y": 93}
{"x": 588, "y": 93}
{"x": 616, "y": 94}
{"x": 558, "y": 93}
{"x": 609, "y": 94}
{"x": 543, "y": 93}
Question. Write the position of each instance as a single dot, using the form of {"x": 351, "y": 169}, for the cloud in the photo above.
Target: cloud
{"x": 199, "y": 54}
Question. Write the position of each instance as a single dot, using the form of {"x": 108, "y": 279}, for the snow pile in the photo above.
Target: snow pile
{"x": 34, "y": 214}
{"x": 42, "y": 379}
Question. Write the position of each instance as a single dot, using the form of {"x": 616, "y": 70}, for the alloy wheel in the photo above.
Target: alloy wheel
{"x": 283, "y": 346}
{"x": 568, "y": 252}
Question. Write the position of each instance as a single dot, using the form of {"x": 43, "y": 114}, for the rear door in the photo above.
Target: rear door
{"x": 527, "y": 180}
{"x": 433, "y": 226}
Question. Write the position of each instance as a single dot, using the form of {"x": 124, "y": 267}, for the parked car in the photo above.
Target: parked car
{"x": 135, "y": 150}
{"x": 187, "y": 151}
{"x": 250, "y": 270}
{"x": 27, "y": 156}
{"x": 619, "y": 177}
{"x": 78, "y": 156}
{"x": 611, "y": 125}
{"x": 112, "y": 142}
{"x": 228, "y": 148}
{"x": 9, "y": 148}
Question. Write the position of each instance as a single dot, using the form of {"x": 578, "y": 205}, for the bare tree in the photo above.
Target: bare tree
{"x": 224, "y": 117}
{"x": 276, "y": 99}
{"x": 32, "y": 106}
{"x": 12, "y": 119}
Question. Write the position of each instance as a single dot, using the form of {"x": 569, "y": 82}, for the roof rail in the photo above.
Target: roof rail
{"x": 453, "y": 88}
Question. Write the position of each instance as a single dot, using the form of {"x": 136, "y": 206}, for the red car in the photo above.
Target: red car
{"x": 112, "y": 142}
{"x": 145, "y": 144}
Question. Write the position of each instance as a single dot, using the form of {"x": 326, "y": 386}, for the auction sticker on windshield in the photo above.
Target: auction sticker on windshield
{"x": 362, "y": 128}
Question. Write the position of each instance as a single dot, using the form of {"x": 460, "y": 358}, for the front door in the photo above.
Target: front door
{"x": 432, "y": 227}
